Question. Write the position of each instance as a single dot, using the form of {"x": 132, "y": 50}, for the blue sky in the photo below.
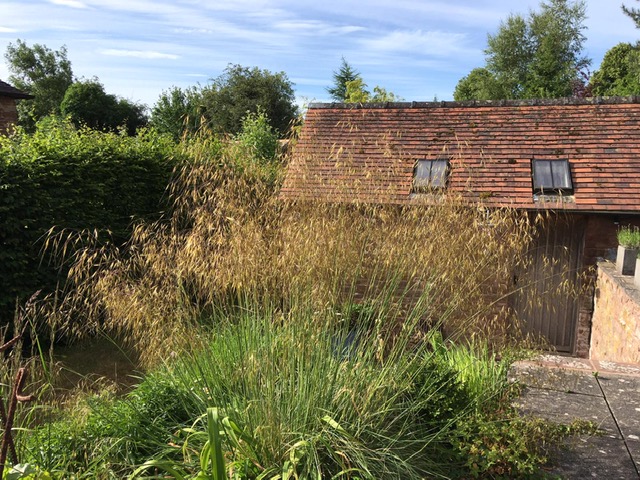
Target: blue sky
{"x": 417, "y": 49}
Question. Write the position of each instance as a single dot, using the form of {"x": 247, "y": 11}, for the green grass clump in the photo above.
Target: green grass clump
{"x": 629, "y": 237}
{"x": 304, "y": 396}
{"x": 294, "y": 389}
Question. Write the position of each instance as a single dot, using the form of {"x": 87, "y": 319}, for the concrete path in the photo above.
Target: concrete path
{"x": 563, "y": 389}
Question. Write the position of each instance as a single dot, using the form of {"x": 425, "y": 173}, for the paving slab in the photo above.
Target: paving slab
{"x": 615, "y": 368}
{"x": 623, "y": 395}
{"x": 555, "y": 378}
{"x": 592, "y": 457}
{"x": 563, "y": 361}
{"x": 562, "y": 389}
{"x": 634, "y": 450}
{"x": 564, "y": 407}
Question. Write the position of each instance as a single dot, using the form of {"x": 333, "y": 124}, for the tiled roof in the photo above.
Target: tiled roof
{"x": 349, "y": 152}
{"x": 7, "y": 90}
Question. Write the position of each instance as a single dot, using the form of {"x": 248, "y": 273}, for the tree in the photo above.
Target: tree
{"x": 539, "y": 56}
{"x": 43, "y": 73}
{"x": 480, "y": 84}
{"x": 241, "y": 90}
{"x": 381, "y": 94}
{"x": 258, "y": 137}
{"x": 87, "y": 103}
{"x": 632, "y": 13}
{"x": 177, "y": 112}
{"x": 358, "y": 93}
{"x": 130, "y": 115}
{"x": 341, "y": 78}
{"x": 508, "y": 55}
{"x": 619, "y": 72}
{"x": 558, "y": 42}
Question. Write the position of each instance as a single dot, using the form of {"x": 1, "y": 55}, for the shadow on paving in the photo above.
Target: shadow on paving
{"x": 563, "y": 389}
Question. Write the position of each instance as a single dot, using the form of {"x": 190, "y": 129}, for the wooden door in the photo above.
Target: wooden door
{"x": 547, "y": 288}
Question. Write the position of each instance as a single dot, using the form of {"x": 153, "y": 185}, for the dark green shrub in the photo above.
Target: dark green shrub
{"x": 113, "y": 434}
{"x": 75, "y": 180}
{"x": 449, "y": 399}
{"x": 508, "y": 446}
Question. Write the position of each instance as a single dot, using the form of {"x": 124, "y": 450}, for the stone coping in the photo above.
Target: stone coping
{"x": 599, "y": 100}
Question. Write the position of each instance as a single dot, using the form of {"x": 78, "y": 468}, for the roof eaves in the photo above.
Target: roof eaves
{"x": 7, "y": 90}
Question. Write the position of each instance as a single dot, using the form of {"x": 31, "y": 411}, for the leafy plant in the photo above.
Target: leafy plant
{"x": 258, "y": 137}
{"x": 511, "y": 446}
{"x": 629, "y": 237}
{"x": 27, "y": 471}
{"x": 212, "y": 462}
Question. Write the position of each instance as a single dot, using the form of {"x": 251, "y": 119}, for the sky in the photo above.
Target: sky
{"x": 417, "y": 49}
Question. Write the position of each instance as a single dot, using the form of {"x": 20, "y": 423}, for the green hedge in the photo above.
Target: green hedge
{"x": 72, "y": 179}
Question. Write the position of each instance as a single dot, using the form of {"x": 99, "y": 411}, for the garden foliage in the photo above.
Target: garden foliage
{"x": 292, "y": 340}
{"x": 74, "y": 180}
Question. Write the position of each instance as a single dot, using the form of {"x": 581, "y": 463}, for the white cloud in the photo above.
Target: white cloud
{"x": 138, "y": 6}
{"x": 315, "y": 27}
{"x": 430, "y": 43}
{"x": 69, "y": 3}
{"x": 454, "y": 13}
{"x": 191, "y": 31}
{"x": 146, "y": 54}
{"x": 7, "y": 29}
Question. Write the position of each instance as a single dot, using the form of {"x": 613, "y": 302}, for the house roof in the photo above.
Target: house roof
{"x": 7, "y": 90}
{"x": 367, "y": 152}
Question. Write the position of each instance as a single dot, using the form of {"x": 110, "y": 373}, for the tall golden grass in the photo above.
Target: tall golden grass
{"x": 230, "y": 238}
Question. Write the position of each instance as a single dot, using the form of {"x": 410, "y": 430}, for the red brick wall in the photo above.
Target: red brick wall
{"x": 600, "y": 236}
{"x": 8, "y": 113}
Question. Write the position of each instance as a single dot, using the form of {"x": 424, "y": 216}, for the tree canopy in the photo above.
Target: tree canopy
{"x": 349, "y": 87}
{"x": 480, "y": 84}
{"x": 87, "y": 103}
{"x": 619, "y": 72}
{"x": 357, "y": 93}
{"x": 241, "y": 90}
{"x": 539, "y": 56}
{"x": 42, "y": 72}
{"x": 341, "y": 77}
{"x": 177, "y": 111}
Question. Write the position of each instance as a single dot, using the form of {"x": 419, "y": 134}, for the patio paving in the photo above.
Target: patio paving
{"x": 562, "y": 389}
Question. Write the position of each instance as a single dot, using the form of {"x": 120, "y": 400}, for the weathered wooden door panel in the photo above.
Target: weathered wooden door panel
{"x": 546, "y": 301}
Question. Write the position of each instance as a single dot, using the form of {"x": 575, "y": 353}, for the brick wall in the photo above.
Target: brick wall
{"x": 615, "y": 333}
{"x": 8, "y": 113}
{"x": 600, "y": 242}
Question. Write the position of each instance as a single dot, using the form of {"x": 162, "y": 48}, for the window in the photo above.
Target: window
{"x": 551, "y": 176}
{"x": 430, "y": 174}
